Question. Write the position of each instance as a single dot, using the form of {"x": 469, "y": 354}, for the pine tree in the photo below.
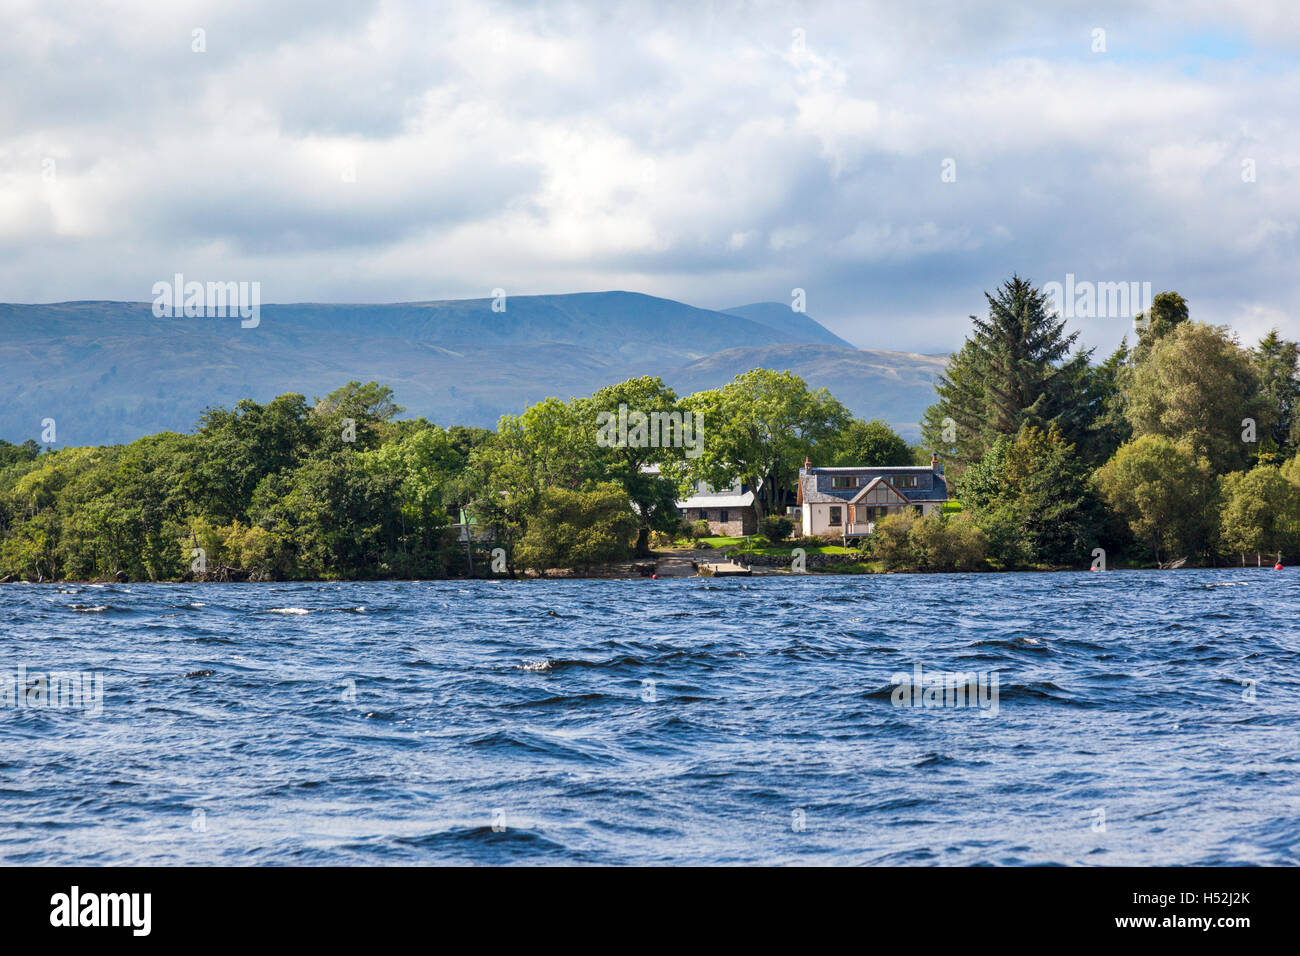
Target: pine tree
{"x": 1276, "y": 361}
{"x": 1014, "y": 370}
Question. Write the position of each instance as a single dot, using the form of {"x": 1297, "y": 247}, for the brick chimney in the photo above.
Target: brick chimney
{"x": 934, "y": 461}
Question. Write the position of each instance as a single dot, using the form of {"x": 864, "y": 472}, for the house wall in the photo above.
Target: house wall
{"x": 740, "y": 521}
{"x": 817, "y": 517}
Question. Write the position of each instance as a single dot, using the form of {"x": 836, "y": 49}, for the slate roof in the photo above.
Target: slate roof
{"x": 816, "y": 483}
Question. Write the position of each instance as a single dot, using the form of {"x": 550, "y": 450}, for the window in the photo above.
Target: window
{"x": 865, "y": 513}
{"x": 843, "y": 481}
{"x": 722, "y": 516}
{"x": 704, "y": 514}
{"x": 835, "y": 516}
{"x": 904, "y": 481}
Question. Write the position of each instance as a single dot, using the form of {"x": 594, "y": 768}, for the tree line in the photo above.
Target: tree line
{"x": 1182, "y": 446}
{"x": 343, "y": 487}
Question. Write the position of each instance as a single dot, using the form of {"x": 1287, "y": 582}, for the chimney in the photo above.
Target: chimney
{"x": 934, "y": 461}
{"x": 807, "y": 462}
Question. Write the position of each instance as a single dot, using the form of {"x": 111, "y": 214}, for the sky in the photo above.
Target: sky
{"x": 893, "y": 160}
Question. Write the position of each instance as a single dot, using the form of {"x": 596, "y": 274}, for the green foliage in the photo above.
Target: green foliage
{"x": 263, "y": 490}
{"x": 759, "y": 428}
{"x": 1032, "y": 498}
{"x": 949, "y": 543}
{"x": 653, "y": 493}
{"x": 11, "y": 454}
{"x": 1165, "y": 492}
{"x": 776, "y": 527}
{"x": 1275, "y": 362}
{"x": 1015, "y": 370}
{"x": 867, "y": 443}
{"x": 1109, "y": 427}
{"x": 578, "y": 529}
{"x": 908, "y": 542}
{"x": 1168, "y": 311}
{"x": 1197, "y": 386}
{"x": 1260, "y": 512}
{"x": 891, "y": 542}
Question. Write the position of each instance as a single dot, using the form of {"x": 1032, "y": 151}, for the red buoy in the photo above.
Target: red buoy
{"x": 1278, "y": 566}
{"x": 655, "y": 577}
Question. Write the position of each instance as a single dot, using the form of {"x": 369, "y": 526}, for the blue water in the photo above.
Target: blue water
{"x": 769, "y": 733}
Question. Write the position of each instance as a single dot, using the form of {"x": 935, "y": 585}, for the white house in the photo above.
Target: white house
{"x": 847, "y": 502}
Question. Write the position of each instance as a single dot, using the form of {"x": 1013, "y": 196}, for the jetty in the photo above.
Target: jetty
{"x": 723, "y": 569}
{"x": 687, "y": 564}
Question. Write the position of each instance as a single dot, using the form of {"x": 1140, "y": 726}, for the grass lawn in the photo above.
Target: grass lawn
{"x": 715, "y": 542}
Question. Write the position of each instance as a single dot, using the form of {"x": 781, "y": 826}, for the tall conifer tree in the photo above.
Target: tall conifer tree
{"x": 1015, "y": 369}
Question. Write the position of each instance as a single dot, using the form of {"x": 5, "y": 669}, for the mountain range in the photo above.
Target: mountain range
{"x": 109, "y": 372}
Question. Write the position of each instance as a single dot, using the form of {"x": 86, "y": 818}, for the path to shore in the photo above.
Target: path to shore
{"x": 677, "y": 564}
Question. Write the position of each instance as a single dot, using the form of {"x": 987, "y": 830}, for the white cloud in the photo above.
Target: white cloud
{"x": 721, "y": 153}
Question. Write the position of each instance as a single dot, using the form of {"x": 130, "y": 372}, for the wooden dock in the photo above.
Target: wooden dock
{"x": 685, "y": 564}
{"x": 723, "y": 569}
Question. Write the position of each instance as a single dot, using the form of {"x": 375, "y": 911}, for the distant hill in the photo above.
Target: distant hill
{"x": 894, "y": 386}
{"x": 110, "y": 371}
{"x": 794, "y": 326}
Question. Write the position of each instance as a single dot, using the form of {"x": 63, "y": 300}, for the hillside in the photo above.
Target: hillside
{"x": 110, "y": 371}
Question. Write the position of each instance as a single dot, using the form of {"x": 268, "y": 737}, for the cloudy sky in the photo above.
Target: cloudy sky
{"x": 719, "y": 153}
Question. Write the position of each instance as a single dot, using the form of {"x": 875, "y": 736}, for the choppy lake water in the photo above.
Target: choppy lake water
{"x": 1141, "y": 718}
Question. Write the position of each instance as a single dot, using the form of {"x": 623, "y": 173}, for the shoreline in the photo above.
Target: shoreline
{"x": 619, "y": 574}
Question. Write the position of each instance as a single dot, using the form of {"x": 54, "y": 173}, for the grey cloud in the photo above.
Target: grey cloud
{"x": 683, "y": 150}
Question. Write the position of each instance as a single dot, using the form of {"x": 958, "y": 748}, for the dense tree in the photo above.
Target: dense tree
{"x": 865, "y": 443}
{"x": 239, "y": 447}
{"x": 630, "y": 463}
{"x": 1277, "y": 362}
{"x": 578, "y": 529}
{"x": 1110, "y": 427}
{"x": 1032, "y": 498}
{"x": 369, "y": 407}
{"x": 1260, "y": 513}
{"x": 1168, "y": 311}
{"x": 16, "y": 454}
{"x": 906, "y": 542}
{"x": 759, "y": 428}
{"x": 1015, "y": 369}
{"x": 1165, "y": 492}
{"x": 337, "y": 516}
{"x": 548, "y": 446}
{"x": 1197, "y": 386}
